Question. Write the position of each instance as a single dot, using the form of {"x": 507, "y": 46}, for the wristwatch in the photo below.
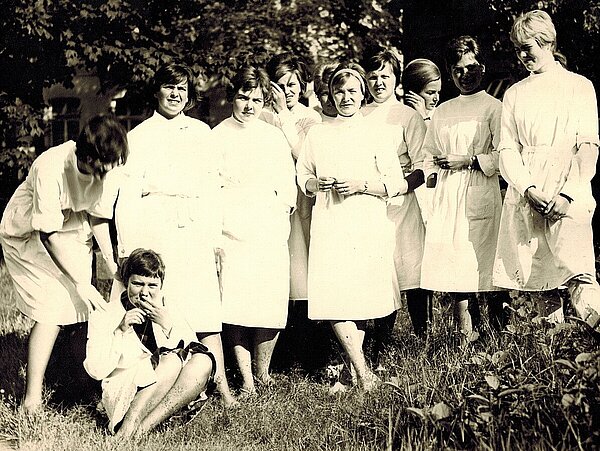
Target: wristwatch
{"x": 472, "y": 159}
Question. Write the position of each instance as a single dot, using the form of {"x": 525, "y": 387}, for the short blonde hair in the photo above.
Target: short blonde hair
{"x": 534, "y": 24}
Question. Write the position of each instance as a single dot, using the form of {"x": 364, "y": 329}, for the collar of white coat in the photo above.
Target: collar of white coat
{"x": 355, "y": 119}
{"x": 179, "y": 121}
{"x": 553, "y": 68}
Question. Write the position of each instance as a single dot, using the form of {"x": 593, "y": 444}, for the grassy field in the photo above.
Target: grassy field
{"x": 533, "y": 387}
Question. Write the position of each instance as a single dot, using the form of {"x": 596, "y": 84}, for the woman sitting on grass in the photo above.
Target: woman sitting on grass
{"x": 143, "y": 353}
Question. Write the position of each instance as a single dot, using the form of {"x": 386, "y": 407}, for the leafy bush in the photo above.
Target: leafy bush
{"x": 536, "y": 385}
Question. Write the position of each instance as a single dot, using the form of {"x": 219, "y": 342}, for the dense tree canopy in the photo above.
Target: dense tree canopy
{"x": 124, "y": 41}
{"x": 45, "y": 42}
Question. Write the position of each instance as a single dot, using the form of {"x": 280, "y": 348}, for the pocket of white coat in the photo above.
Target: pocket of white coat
{"x": 480, "y": 202}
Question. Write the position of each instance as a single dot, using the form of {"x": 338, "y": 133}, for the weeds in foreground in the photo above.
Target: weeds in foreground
{"x": 534, "y": 386}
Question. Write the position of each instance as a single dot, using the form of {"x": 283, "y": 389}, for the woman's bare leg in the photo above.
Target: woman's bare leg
{"x": 189, "y": 384}
{"x": 466, "y": 316}
{"x": 41, "y": 342}
{"x": 351, "y": 338}
{"x": 264, "y": 345}
{"x": 167, "y": 372}
{"x": 462, "y": 317}
{"x": 213, "y": 342}
{"x": 239, "y": 337}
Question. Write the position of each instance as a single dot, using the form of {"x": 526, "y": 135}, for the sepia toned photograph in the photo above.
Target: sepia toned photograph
{"x": 299, "y": 225}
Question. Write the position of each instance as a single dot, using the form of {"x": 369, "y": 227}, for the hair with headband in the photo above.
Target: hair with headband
{"x": 343, "y": 72}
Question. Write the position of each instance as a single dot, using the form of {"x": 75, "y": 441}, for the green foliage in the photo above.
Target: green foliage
{"x": 124, "y": 41}
{"x": 577, "y": 25}
{"x": 536, "y": 386}
{"x": 23, "y": 122}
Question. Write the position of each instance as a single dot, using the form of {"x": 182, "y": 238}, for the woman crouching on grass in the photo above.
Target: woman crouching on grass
{"x": 143, "y": 353}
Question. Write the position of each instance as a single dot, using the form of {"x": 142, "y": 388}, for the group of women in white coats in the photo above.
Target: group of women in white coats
{"x": 329, "y": 193}
{"x": 474, "y": 245}
{"x": 224, "y": 194}
{"x": 545, "y": 147}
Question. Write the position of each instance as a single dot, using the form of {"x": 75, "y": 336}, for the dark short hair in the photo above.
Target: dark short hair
{"x": 142, "y": 262}
{"x": 174, "y": 73}
{"x": 418, "y": 74}
{"x": 458, "y": 47}
{"x": 323, "y": 73}
{"x": 102, "y": 139}
{"x": 284, "y": 63}
{"x": 249, "y": 78}
{"x": 375, "y": 57}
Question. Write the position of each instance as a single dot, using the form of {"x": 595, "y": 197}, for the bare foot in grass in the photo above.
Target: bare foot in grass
{"x": 337, "y": 388}
{"x": 31, "y": 406}
{"x": 265, "y": 381}
{"x": 369, "y": 382}
{"x": 119, "y": 441}
{"x": 247, "y": 393}
{"x": 468, "y": 337}
{"x": 229, "y": 401}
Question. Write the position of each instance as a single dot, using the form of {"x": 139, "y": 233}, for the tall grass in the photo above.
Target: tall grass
{"x": 532, "y": 387}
